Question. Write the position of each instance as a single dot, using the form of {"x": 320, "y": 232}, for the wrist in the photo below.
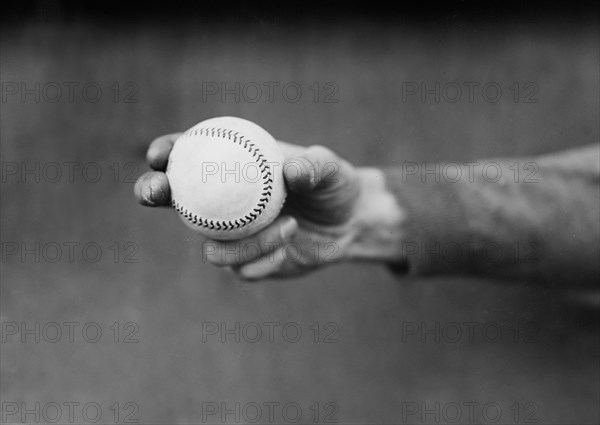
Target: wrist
{"x": 377, "y": 224}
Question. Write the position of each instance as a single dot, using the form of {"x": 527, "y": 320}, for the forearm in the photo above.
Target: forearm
{"x": 538, "y": 221}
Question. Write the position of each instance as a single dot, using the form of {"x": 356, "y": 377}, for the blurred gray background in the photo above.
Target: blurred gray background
{"x": 370, "y": 373}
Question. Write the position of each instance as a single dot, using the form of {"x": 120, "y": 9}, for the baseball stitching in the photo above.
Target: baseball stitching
{"x": 265, "y": 173}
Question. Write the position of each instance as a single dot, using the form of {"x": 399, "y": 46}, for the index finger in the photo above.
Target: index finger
{"x": 159, "y": 150}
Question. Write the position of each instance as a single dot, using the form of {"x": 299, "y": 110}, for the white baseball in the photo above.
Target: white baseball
{"x": 226, "y": 178}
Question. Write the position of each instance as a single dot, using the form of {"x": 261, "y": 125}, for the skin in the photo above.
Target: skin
{"x": 333, "y": 212}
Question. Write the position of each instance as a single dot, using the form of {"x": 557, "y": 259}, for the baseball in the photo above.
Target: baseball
{"x": 226, "y": 178}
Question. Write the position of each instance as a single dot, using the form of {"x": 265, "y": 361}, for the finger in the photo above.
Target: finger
{"x": 268, "y": 265}
{"x": 231, "y": 253}
{"x": 282, "y": 263}
{"x": 152, "y": 189}
{"x": 316, "y": 166}
{"x": 159, "y": 150}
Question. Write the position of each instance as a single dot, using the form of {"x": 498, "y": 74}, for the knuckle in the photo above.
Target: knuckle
{"x": 319, "y": 152}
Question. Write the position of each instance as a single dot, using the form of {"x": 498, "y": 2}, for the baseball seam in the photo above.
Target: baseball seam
{"x": 266, "y": 175}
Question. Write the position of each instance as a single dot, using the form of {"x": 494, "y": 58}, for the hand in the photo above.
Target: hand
{"x": 333, "y": 212}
